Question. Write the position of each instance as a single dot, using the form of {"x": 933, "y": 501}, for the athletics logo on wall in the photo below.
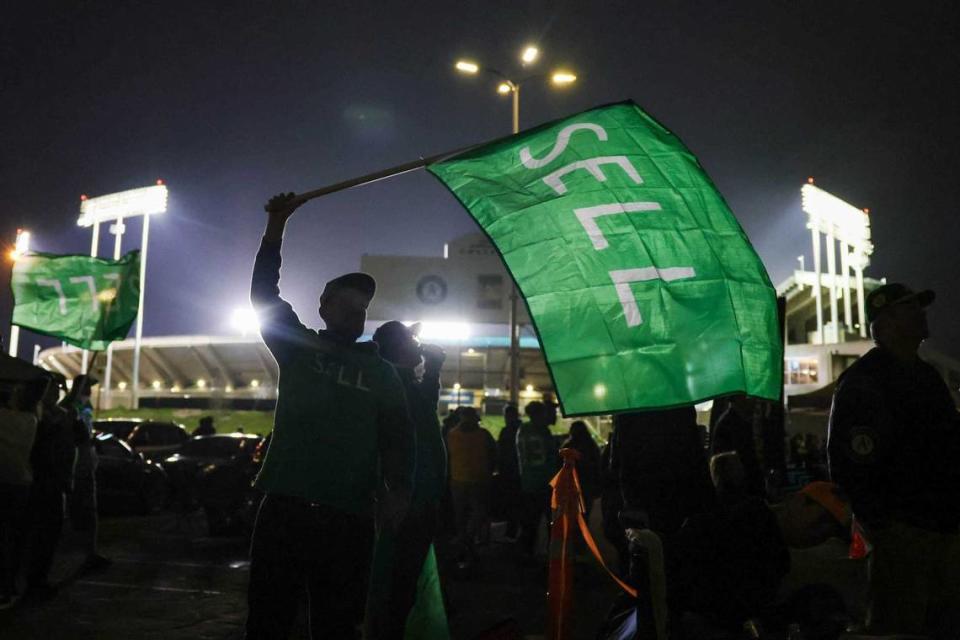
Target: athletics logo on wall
{"x": 431, "y": 290}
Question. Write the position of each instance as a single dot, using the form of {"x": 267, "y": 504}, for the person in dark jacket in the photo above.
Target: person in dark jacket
{"x": 394, "y": 588}
{"x": 893, "y": 447}
{"x": 661, "y": 466}
{"x": 727, "y": 564}
{"x": 508, "y": 468}
{"x": 539, "y": 462}
{"x": 52, "y": 459}
{"x": 588, "y": 466}
{"x": 82, "y": 501}
{"x": 341, "y": 429}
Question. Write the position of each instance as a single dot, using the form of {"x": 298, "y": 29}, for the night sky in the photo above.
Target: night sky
{"x": 231, "y": 104}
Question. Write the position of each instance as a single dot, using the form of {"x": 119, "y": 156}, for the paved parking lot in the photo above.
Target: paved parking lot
{"x": 170, "y": 580}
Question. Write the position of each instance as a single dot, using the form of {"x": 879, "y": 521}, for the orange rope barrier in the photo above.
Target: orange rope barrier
{"x": 567, "y": 504}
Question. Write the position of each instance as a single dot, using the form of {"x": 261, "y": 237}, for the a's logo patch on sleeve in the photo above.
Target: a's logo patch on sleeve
{"x": 863, "y": 444}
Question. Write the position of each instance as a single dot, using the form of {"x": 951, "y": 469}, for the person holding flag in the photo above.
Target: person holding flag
{"x": 404, "y": 560}
{"x": 341, "y": 422}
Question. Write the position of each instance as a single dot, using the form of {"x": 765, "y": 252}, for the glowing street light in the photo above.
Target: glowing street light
{"x": 22, "y": 245}
{"x": 507, "y": 86}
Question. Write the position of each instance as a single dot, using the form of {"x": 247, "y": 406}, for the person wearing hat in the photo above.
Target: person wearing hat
{"x": 399, "y": 556}
{"x": 82, "y": 501}
{"x": 893, "y": 448}
{"x": 341, "y": 428}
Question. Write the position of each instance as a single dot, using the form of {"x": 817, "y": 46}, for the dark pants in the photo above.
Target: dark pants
{"x": 13, "y": 506}
{"x": 46, "y": 524}
{"x": 535, "y": 505}
{"x": 300, "y": 546}
{"x": 411, "y": 544}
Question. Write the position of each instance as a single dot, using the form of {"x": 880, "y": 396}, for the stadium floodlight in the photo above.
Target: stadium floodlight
{"x": 829, "y": 213}
{"x": 124, "y": 204}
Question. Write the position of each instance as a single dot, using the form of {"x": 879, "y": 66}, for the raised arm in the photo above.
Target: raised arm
{"x": 279, "y": 323}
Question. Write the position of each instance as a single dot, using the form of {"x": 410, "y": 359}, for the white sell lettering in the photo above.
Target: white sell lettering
{"x": 555, "y": 182}
{"x": 563, "y": 139}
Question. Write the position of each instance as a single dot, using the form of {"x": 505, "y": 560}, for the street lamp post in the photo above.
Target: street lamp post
{"x": 21, "y": 247}
{"x": 507, "y": 85}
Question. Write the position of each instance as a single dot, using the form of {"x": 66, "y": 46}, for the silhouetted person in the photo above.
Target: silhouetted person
{"x": 611, "y": 504}
{"x": 539, "y": 462}
{"x": 400, "y": 555}
{"x": 727, "y": 564}
{"x": 205, "y": 428}
{"x": 18, "y": 429}
{"x": 52, "y": 459}
{"x": 588, "y": 466}
{"x": 82, "y": 501}
{"x": 661, "y": 466}
{"x": 341, "y": 427}
{"x": 508, "y": 468}
{"x": 733, "y": 431}
{"x": 473, "y": 455}
{"x": 894, "y": 446}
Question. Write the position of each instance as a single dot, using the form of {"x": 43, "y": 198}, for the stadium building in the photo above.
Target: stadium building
{"x": 461, "y": 297}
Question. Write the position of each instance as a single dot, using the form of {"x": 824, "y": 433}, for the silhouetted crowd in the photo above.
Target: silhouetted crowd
{"x": 47, "y": 462}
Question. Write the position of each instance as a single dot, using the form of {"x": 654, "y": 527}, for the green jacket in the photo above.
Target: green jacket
{"x": 430, "y": 480}
{"x": 341, "y": 416}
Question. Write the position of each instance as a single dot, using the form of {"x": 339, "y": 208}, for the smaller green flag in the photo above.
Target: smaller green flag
{"x": 87, "y": 302}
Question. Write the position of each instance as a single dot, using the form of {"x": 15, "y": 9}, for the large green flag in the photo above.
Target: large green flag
{"x": 643, "y": 288}
{"x": 88, "y": 302}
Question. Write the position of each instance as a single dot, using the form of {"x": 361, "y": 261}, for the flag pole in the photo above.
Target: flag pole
{"x": 383, "y": 174}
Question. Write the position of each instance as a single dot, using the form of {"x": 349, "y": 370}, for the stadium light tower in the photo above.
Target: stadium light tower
{"x": 22, "y": 247}
{"x": 559, "y": 78}
{"x": 849, "y": 226}
{"x": 114, "y": 207}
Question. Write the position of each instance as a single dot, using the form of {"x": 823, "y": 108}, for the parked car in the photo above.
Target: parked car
{"x": 155, "y": 439}
{"x": 126, "y": 482}
{"x": 216, "y": 473}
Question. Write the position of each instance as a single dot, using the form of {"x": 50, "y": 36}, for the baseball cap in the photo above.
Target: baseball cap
{"x": 892, "y": 294}
{"x": 362, "y": 282}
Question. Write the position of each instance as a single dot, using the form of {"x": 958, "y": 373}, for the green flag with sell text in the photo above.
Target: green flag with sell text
{"x": 88, "y": 302}
{"x": 643, "y": 288}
